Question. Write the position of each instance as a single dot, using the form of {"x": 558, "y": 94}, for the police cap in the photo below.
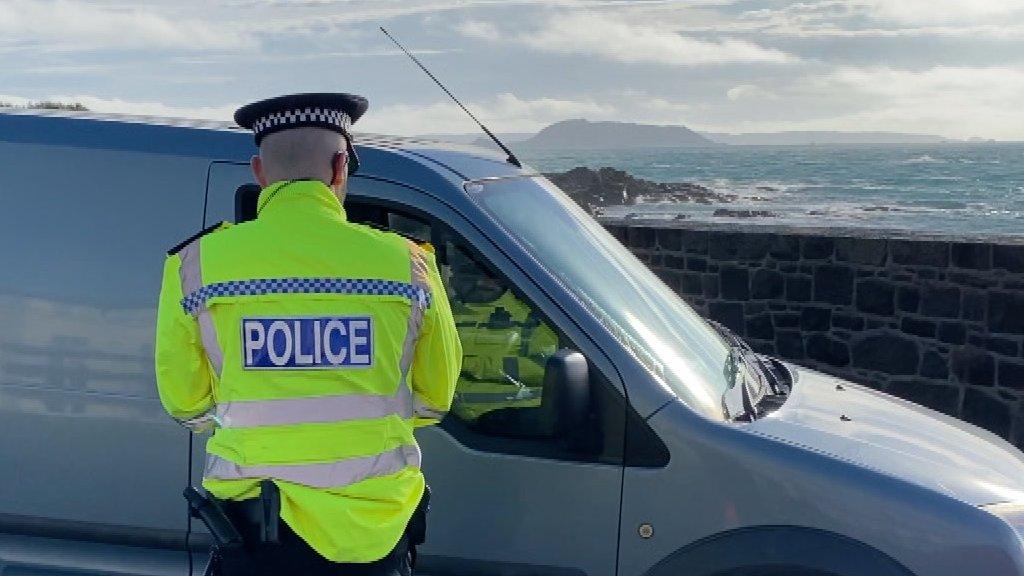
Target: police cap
{"x": 333, "y": 111}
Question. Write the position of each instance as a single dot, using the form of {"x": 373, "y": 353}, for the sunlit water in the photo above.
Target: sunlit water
{"x": 957, "y": 188}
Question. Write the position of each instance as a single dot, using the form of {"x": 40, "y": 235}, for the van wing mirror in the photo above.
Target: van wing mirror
{"x": 246, "y": 198}
{"x": 567, "y": 385}
{"x": 564, "y": 411}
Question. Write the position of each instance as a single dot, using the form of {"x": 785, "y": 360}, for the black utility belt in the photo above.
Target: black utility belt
{"x": 265, "y": 512}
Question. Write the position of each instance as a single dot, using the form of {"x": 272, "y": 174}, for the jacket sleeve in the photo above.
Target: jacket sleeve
{"x": 437, "y": 360}
{"x": 184, "y": 378}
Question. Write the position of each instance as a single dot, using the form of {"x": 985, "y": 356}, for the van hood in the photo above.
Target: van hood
{"x": 897, "y": 437}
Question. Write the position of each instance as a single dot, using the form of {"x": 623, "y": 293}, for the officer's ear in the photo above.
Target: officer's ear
{"x": 339, "y": 168}
{"x": 257, "y": 170}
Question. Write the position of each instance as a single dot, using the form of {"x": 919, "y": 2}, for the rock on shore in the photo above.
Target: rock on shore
{"x": 593, "y": 189}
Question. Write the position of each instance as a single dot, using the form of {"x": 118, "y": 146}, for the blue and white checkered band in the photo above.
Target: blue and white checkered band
{"x": 369, "y": 287}
{"x": 302, "y": 117}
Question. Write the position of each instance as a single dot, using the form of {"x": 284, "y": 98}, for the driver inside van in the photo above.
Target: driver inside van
{"x": 505, "y": 343}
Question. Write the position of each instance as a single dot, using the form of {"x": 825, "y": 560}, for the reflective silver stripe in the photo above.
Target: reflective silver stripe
{"x": 312, "y": 409}
{"x": 202, "y": 423}
{"x": 191, "y": 274}
{"x": 422, "y": 409}
{"x": 418, "y": 274}
{"x": 208, "y": 334}
{"x": 321, "y": 475}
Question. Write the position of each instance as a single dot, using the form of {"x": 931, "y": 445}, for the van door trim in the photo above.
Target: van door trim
{"x": 449, "y": 566}
{"x": 101, "y": 533}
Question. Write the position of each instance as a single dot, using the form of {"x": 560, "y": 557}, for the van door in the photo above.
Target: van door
{"x": 93, "y": 467}
{"x": 511, "y": 494}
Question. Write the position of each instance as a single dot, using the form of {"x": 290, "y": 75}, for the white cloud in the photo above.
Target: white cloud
{"x": 479, "y": 30}
{"x": 119, "y": 106}
{"x": 887, "y": 18}
{"x": 62, "y": 25}
{"x": 941, "y": 10}
{"x": 749, "y": 92}
{"x": 957, "y": 102}
{"x": 603, "y": 35}
{"x": 504, "y": 113}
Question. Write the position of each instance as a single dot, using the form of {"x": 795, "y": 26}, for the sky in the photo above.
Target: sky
{"x": 948, "y": 67}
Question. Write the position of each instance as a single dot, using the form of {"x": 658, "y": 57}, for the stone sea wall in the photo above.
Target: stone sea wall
{"x": 936, "y": 320}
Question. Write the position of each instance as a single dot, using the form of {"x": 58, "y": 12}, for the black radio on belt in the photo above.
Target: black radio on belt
{"x": 207, "y": 510}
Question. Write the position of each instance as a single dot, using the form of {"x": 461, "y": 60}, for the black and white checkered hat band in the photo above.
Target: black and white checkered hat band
{"x": 302, "y": 117}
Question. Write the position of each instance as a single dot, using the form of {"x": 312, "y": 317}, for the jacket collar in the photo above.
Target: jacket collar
{"x": 297, "y": 196}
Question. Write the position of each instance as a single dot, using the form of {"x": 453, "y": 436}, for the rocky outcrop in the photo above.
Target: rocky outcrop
{"x": 593, "y": 189}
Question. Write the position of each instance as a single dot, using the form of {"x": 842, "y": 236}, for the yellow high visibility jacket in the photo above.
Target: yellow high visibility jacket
{"x": 313, "y": 346}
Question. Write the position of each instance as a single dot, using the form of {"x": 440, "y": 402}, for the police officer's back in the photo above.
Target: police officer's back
{"x": 315, "y": 346}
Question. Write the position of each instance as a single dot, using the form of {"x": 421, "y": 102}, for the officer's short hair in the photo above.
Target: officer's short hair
{"x": 300, "y": 153}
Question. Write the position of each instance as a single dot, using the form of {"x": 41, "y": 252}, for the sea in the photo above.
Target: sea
{"x": 970, "y": 189}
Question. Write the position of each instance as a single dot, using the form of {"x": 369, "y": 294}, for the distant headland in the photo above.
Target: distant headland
{"x": 582, "y": 134}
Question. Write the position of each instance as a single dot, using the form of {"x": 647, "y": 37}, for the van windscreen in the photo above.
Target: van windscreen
{"x": 645, "y": 315}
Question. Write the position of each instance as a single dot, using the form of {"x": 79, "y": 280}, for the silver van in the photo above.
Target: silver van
{"x": 600, "y": 427}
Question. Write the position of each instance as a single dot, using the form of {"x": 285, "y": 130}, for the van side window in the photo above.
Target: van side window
{"x": 505, "y": 345}
{"x": 499, "y": 404}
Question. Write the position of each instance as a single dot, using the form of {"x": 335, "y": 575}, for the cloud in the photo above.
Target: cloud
{"x": 941, "y": 10}
{"x": 603, "y": 35}
{"x": 958, "y": 102}
{"x": 119, "y": 106}
{"x": 749, "y": 92}
{"x": 62, "y": 25}
{"x": 887, "y": 18}
{"x": 505, "y": 113}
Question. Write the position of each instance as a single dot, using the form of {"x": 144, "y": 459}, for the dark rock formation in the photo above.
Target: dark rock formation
{"x": 592, "y": 189}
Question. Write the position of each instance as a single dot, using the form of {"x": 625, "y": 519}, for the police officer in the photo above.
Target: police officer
{"x": 312, "y": 346}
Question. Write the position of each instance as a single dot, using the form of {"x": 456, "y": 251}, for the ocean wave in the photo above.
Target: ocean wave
{"x": 937, "y": 204}
{"x": 922, "y": 159}
{"x": 758, "y": 187}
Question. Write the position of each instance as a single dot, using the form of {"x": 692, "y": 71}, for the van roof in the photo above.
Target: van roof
{"x": 211, "y": 138}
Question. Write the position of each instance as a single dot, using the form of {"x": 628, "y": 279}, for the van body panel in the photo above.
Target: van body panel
{"x": 722, "y": 477}
{"x": 37, "y": 556}
{"x": 779, "y": 550}
{"x": 199, "y": 139}
{"x": 876, "y": 430}
{"x": 491, "y": 509}
{"x": 86, "y": 441}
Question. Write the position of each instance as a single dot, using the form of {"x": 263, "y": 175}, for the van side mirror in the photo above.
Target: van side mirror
{"x": 564, "y": 411}
{"x": 246, "y": 199}
{"x": 567, "y": 387}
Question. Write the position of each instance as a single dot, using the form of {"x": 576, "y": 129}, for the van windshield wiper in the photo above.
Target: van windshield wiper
{"x": 743, "y": 361}
{"x": 736, "y": 369}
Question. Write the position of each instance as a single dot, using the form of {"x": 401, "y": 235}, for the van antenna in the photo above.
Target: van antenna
{"x": 511, "y": 157}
